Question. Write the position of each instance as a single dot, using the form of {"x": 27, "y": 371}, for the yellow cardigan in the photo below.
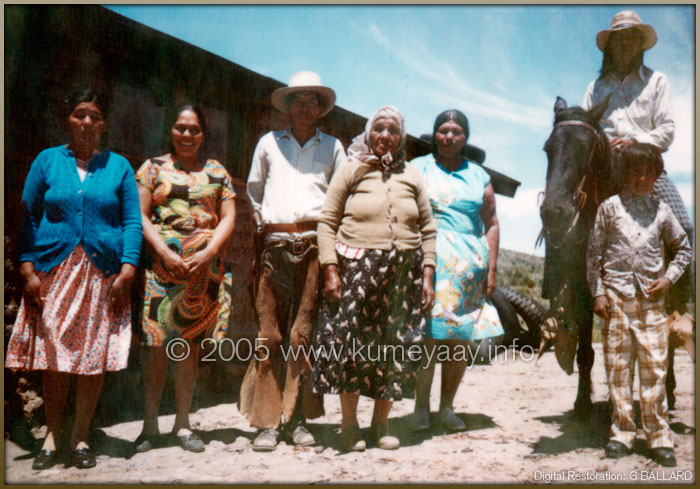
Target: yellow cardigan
{"x": 363, "y": 210}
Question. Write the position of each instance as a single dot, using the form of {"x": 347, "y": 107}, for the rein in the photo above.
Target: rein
{"x": 580, "y": 197}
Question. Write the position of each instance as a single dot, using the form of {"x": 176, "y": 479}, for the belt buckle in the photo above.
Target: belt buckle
{"x": 298, "y": 246}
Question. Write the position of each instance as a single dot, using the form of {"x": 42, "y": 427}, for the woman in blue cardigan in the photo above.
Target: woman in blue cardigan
{"x": 80, "y": 242}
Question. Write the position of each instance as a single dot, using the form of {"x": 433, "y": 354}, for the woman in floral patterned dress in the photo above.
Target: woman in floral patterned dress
{"x": 464, "y": 206}
{"x": 188, "y": 213}
{"x": 80, "y": 242}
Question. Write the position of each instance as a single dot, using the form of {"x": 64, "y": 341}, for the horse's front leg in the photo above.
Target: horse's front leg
{"x": 584, "y": 360}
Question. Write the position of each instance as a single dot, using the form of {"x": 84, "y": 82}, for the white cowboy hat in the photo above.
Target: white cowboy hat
{"x": 300, "y": 82}
{"x": 627, "y": 19}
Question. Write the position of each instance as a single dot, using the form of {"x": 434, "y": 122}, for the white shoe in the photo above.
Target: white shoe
{"x": 352, "y": 439}
{"x": 266, "y": 441}
{"x": 302, "y": 437}
{"x": 381, "y": 438}
{"x": 388, "y": 443}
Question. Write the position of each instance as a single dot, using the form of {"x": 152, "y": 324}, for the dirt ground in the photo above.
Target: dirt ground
{"x": 520, "y": 429}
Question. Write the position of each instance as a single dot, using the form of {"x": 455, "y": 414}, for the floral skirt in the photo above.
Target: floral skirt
{"x": 76, "y": 332}
{"x": 363, "y": 342}
{"x": 462, "y": 311}
{"x": 197, "y": 306}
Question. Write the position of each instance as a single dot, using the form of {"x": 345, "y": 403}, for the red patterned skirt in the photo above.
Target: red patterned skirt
{"x": 76, "y": 332}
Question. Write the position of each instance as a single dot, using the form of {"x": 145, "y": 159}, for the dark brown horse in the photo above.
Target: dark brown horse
{"x": 580, "y": 175}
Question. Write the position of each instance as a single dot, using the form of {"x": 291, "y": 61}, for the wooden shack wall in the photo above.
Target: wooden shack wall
{"x": 52, "y": 50}
{"x": 145, "y": 74}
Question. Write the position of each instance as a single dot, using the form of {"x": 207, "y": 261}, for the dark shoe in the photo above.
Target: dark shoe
{"x": 450, "y": 421}
{"x": 266, "y": 441}
{"x": 664, "y": 456}
{"x": 83, "y": 458}
{"x": 191, "y": 442}
{"x": 45, "y": 460}
{"x": 144, "y": 443}
{"x": 421, "y": 419}
{"x": 615, "y": 449}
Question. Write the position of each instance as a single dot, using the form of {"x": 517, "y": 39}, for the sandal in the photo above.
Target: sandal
{"x": 191, "y": 442}
{"x": 450, "y": 421}
{"x": 144, "y": 443}
{"x": 421, "y": 419}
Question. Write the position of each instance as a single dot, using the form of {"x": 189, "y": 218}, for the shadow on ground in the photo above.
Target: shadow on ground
{"x": 593, "y": 431}
{"x": 122, "y": 399}
{"x": 577, "y": 432}
{"x": 328, "y": 435}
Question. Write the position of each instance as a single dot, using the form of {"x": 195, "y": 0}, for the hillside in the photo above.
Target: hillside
{"x": 521, "y": 272}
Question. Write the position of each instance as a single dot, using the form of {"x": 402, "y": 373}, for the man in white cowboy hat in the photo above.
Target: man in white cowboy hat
{"x": 290, "y": 173}
{"x": 639, "y": 111}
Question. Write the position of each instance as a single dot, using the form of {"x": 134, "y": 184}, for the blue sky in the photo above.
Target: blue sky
{"x": 503, "y": 66}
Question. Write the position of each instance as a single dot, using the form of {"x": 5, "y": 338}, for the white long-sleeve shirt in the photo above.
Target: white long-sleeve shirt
{"x": 640, "y": 107}
{"x": 287, "y": 182}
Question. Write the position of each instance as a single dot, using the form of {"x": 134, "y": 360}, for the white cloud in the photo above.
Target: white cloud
{"x": 687, "y": 189}
{"x": 511, "y": 131}
{"x": 680, "y": 157}
{"x": 519, "y": 221}
{"x": 524, "y": 204}
{"x": 443, "y": 83}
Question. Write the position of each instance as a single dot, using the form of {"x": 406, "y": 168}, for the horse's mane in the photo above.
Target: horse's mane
{"x": 577, "y": 113}
{"x": 558, "y": 260}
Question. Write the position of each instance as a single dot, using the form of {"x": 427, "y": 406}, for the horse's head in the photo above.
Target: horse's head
{"x": 578, "y": 157}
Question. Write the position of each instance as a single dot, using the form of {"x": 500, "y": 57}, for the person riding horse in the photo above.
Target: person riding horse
{"x": 640, "y": 111}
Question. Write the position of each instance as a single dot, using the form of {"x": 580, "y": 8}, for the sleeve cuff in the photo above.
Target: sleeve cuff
{"x": 597, "y": 289}
{"x": 429, "y": 260}
{"x": 130, "y": 261}
{"x": 328, "y": 259}
{"x": 26, "y": 257}
{"x": 673, "y": 273}
{"x": 644, "y": 138}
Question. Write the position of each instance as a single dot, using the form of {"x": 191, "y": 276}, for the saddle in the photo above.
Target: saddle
{"x": 682, "y": 330}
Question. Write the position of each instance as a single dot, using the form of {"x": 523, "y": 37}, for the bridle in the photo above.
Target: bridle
{"x": 580, "y": 196}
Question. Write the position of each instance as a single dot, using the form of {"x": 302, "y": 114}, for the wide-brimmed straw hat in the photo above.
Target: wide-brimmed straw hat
{"x": 303, "y": 81}
{"x": 627, "y": 19}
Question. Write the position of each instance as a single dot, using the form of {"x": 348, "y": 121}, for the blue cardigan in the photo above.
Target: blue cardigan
{"x": 101, "y": 213}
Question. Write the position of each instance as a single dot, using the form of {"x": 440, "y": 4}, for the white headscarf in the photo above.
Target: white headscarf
{"x": 361, "y": 147}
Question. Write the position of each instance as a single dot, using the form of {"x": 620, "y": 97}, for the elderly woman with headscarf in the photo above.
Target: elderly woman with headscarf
{"x": 376, "y": 238}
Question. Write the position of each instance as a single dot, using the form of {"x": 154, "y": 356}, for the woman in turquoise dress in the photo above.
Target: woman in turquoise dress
{"x": 464, "y": 206}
